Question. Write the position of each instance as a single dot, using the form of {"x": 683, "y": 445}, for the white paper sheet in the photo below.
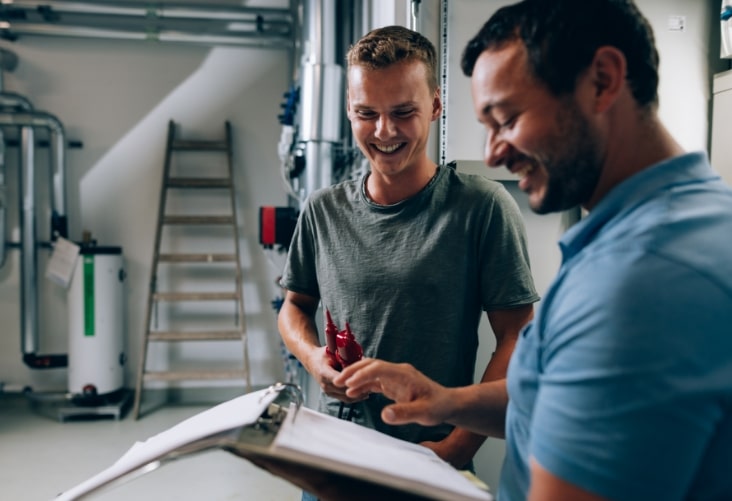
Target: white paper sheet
{"x": 371, "y": 455}
{"x": 233, "y": 414}
{"x": 60, "y": 267}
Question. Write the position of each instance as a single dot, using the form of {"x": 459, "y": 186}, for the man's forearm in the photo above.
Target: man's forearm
{"x": 480, "y": 408}
{"x": 298, "y": 332}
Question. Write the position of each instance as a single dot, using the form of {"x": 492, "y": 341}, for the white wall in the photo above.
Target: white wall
{"x": 117, "y": 97}
{"x": 684, "y": 70}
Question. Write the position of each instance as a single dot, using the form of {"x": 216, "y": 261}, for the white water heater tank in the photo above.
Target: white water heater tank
{"x": 96, "y": 324}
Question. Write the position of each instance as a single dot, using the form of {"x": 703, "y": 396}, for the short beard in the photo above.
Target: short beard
{"x": 573, "y": 163}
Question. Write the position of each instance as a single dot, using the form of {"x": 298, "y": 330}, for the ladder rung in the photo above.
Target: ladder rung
{"x": 194, "y": 375}
{"x": 221, "y": 183}
{"x": 187, "y": 144}
{"x": 198, "y": 182}
{"x": 198, "y": 220}
{"x": 232, "y": 335}
{"x": 197, "y": 258}
{"x": 195, "y": 296}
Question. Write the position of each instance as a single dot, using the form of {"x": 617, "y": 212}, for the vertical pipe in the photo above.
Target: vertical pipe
{"x": 28, "y": 257}
{"x": 3, "y": 200}
{"x": 321, "y": 94}
{"x": 27, "y": 120}
{"x": 58, "y": 161}
{"x": 414, "y": 17}
{"x": 15, "y": 102}
{"x": 362, "y": 13}
{"x": 296, "y": 38}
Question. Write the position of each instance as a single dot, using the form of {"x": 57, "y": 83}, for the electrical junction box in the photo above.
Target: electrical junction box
{"x": 276, "y": 225}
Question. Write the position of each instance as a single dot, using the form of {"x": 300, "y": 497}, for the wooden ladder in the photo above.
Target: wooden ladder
{"x": 176, "y": 261}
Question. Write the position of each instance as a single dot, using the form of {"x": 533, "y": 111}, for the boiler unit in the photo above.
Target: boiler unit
{"x": 96, "y": 334}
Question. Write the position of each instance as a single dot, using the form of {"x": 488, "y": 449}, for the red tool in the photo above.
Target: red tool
{"x": 341, "y": 346}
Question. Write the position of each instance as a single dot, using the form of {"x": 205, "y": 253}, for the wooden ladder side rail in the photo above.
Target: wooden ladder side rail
{"x": 237, "y": 253}
{"x": 154, "y": 269}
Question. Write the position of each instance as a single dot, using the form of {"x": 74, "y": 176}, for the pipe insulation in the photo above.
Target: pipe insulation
{"x": 258, "y": 40}
{"x": 321, "y": 95}
{"x": 8, "y": 101}
{"x": 28, "y": 121}
{"x": 57, "y": 139}
{"x": 169, "y": 10}
{"x": 3, "y": 200}
{"x": 13, "y": 101}
{"x": 206, "y": 24}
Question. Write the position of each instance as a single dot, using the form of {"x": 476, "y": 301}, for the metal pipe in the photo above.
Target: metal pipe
{"x": 58, "y": 147}
{"x": 14, "y": 101}
{"x": 28, "y": 253}
{"x": 321, "y": 95}
{"x": 8, "y": 100}
{"x": 254, "y": 39}
{"x": 3, "y": 200}
{"x": 414, "y": 17}
{"x": 167, "y": 11}
{"x": 187, "y": 23}
{"x": 28, "y": 120}
{"x": 57, "y": 142}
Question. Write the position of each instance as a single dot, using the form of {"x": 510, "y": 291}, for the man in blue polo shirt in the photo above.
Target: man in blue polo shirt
{"x": 621, "y": 386}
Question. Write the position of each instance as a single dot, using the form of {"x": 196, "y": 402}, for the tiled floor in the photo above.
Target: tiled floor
{"x": 41, "y": 456}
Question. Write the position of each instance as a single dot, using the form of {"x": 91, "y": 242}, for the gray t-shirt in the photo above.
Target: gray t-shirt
{"x": 412, "y": 278}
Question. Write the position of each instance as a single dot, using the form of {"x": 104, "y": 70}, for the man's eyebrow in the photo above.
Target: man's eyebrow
{"x": 406, "y": 104}
{"x": 488, "y": 108}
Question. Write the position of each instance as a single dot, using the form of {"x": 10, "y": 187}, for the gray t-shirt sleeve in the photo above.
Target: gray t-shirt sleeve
{"x": 505, "y": 267}
{"x": 300, "y": 273}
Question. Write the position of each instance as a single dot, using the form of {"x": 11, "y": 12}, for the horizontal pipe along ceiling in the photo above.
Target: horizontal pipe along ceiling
{"x": 207, "y": 24}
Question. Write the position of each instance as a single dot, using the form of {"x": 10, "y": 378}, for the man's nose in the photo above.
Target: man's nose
{"x": 385, "y": 128}
{"x": 496, "y": 150}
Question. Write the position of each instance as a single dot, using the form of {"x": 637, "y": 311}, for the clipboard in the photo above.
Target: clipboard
{"x": 274, "y": 427}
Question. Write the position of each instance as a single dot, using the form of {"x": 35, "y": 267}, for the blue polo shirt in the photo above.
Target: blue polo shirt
{"x": 622, "y": 384}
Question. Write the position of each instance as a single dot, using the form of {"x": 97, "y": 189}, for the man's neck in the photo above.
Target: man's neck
{"x": 389, "y": 190}
{"x": 640, "y": 146}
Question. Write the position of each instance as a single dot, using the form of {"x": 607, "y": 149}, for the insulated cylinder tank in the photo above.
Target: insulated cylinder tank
{"x": 96, "y": 332}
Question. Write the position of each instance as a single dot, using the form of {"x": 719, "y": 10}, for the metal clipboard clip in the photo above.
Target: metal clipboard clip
{"x": 288, "y": 395}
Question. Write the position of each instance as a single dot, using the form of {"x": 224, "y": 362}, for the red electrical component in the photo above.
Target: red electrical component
{"x": 341, "y": 346}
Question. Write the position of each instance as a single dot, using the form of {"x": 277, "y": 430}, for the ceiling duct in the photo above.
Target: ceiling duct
{"x": 203, "y": 24}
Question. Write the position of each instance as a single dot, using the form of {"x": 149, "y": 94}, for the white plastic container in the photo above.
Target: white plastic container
{"x": 96, "y": 323}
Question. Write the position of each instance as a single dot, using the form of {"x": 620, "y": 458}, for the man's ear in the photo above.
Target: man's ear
{"x": 608, "y": 72}
{"x": 436, "y": 105}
